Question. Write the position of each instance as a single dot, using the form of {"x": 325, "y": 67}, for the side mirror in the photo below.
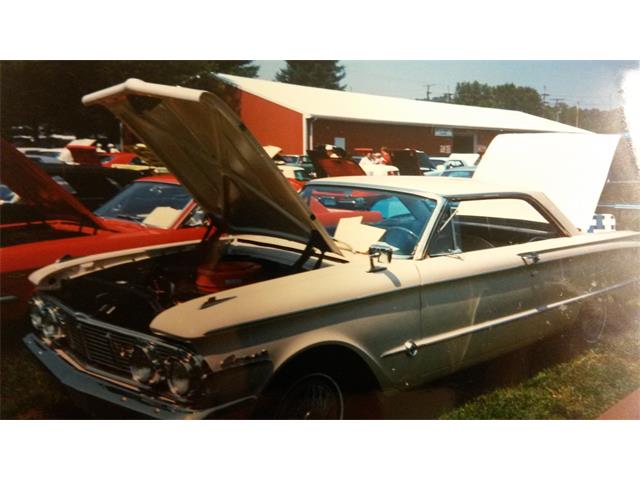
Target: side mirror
{"x": 382, "y": 252}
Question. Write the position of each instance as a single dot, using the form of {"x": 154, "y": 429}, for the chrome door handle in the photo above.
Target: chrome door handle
{"x": 411, "y": 348}
{"x": 530, "y": 258}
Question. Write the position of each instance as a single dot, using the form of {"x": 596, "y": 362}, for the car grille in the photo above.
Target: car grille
{"x": 104, "y": 349}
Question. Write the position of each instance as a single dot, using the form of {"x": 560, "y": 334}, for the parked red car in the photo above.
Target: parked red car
{"x": 49, "y": 224}
{"x": 121, "y": 158}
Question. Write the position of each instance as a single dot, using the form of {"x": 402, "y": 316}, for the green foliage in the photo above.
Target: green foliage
{"x": 526, "y": 99}
{"x": 313, "y": 73}
{"x": 593, "y": 119}
{"x": 507, "y": 96}
{"x": 48, "y": 92}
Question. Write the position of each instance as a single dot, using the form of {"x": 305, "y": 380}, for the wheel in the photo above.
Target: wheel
{"x": 316, "y": 396}
{"x": 320, "y": 394}
{"x": 593, "y": 320}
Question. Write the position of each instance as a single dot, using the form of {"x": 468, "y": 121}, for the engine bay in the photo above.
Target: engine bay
{"x": 133, "y": 294}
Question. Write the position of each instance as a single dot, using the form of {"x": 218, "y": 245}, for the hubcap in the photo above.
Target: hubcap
{"x": 593, "y": 318}
{"x": 313, "y": 397}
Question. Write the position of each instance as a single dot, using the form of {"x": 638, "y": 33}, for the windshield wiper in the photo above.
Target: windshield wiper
{"x": 133, "y": 218}
{"x": 340, "y": 243}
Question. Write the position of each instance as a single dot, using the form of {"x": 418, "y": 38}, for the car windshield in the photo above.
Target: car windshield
{"x": 139, "y": 199}
{"x": 301, "y": 175}
{"x": 44, "y": 159}
{"x": 6, "y": 194}
{"x": 401, "y": 217}
{"x": 458, "y": 172}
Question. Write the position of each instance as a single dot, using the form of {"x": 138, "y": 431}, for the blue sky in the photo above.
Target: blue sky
{"x": 595, "y": 84}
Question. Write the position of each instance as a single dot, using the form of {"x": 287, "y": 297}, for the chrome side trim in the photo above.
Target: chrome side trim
{"x": 460, "y": 332}
{"x": 8, "y": 298}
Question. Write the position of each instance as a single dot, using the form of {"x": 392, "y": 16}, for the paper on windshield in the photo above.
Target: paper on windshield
{"x": 356, "y": 234}
{"x": 162, "y": 217}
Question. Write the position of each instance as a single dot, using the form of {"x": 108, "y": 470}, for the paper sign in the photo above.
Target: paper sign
{"x": 357, "y": 235}
{"x": 162, "y": 217}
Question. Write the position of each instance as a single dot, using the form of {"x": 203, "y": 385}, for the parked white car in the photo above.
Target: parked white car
{"x": 299, "y": 309}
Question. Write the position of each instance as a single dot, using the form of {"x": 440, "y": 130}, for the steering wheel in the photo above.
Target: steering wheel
{"x": 405, "y": 242}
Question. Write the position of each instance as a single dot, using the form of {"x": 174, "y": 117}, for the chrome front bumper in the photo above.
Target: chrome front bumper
{"x": 92, "y": 387}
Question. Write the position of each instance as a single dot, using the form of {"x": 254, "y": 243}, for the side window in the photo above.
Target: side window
{"x": 482, "y": 224}
{"x": 197, "y": 218}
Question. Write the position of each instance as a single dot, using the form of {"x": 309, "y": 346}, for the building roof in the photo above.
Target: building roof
{"x": 339, "y": 105}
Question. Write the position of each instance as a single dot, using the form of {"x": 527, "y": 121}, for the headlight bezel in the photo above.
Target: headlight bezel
{"x": 146, "y": 355}
{"x": 192, "y": 370}
{"x": 47, "y": 320}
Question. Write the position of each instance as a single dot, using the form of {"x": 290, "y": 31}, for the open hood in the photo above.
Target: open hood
{"x": 406, "y": 161}
{"x": 36, "y": 188}
{"x": 569, "y": 168}
{"x": 199, "y": 138}
{"x": 336, "y": 167}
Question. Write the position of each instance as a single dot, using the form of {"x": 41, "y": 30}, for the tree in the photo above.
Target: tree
{"x": 507, "y": 96}
{"x": 313, "y": 73}
{"x": 37, "y": 93}
{"x": 473, "y": 93}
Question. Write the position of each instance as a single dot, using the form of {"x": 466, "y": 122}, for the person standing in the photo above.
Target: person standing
{"x": 386, "y": 156}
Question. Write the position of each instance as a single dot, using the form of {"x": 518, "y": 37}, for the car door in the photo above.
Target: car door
{"x": 481, "y": 289}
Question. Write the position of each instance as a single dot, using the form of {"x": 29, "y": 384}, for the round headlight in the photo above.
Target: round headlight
{"x": 143, "y": 367}
{"x": 182, "y": 376}
{"x": 50, "y": 327}
{"x": 45, "y": 319}
{"x": 36, "y": 314}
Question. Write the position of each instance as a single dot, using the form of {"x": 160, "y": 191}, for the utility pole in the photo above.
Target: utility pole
{"x": 544, "y": 95}
{"x": 448, "y": 95}
{"x": 577, "y": 112}
{"x": 556, "y": 100}
{"x": 428, "y": 87}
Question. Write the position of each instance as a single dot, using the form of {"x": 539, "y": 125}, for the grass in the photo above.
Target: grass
{"x": 581, "y": 388}
{"x": 27, "y": 390}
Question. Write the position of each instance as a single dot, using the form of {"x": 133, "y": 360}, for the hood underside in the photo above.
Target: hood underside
{"x": 37, "y": 189}
{"x": 201, "y": 140}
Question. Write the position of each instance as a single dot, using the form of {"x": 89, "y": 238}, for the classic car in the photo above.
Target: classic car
{"x": 92, "y": 185}
{"x": 332, "y": 161}
{"x": 407, "y": 160}
{"x": 296, "y": 176}
{"x": 447, "y": 273}
{"x": 49, "y": 224}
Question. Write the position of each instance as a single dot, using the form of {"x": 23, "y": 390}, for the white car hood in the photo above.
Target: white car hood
{"x": 569, "y": 168}
{"x": 206, "y": 146}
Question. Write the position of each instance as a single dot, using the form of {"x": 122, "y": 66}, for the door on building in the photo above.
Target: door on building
{"x": 463, "y": 143}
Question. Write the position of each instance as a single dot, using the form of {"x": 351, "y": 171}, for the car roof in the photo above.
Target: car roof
{"x": 442, "y": 186}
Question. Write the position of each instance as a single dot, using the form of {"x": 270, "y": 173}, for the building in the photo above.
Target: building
{"x": 296, "y": 118}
